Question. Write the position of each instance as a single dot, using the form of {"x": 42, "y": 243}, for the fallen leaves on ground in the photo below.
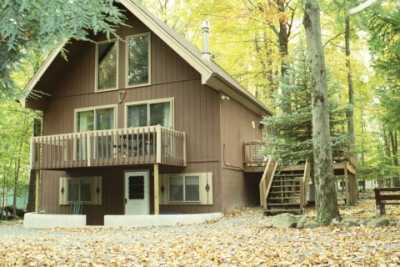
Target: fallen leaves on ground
{"x": 242, "y": 239}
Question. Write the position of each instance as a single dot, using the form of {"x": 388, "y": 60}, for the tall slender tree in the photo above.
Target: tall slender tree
{"x": 326, "y": 198}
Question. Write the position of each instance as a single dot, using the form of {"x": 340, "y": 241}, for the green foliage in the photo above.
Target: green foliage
{"x": 15, "y": 133}
{"x": 289, "y": 137}
{"x": 385, "y": 42}
{"x": 384, "y": 31}
{"x": 39, "y": 25}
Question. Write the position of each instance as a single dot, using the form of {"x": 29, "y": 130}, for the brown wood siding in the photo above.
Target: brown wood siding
{"x": 113, "y": 191}
{"x": 198, "y": 111}
{"x": 236, "y": 129}
{"x": 196, "y": 106}
{"x": 239, "y": 189}
{"x": 113, "y": 194}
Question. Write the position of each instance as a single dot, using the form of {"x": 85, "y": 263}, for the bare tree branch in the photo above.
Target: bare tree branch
{"x": 361, "y": 7}
{"x": 333, "y": 38}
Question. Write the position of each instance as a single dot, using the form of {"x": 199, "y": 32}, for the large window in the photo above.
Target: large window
{"x": 184, "y": 188}
{"x": 138, "y": 53}
{"x": 80, "y": 190}
{"x": 150, "y": 114}
{"x": 92, "y": 119}
{"x": 106, "y": 65}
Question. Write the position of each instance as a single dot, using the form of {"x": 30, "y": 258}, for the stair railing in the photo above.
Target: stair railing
{"x": 305, "y": 184}
{"x": 266, "y": 181}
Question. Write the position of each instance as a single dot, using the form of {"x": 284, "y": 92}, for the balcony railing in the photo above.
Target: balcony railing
{"x": 254, "y": 154}
{"x": 133, "y": 146}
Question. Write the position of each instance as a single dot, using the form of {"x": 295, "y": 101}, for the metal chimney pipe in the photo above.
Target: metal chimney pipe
{"x": 205, "y": 27}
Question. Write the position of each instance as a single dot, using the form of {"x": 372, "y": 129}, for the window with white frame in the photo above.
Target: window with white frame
{"x": 184, "y": 188}
{"x": 106, "y": 65}
{"x": 143, "y": 114}
{"x": 95, "y": 118}
{"x": 92, "y": 119}
{"x": 82, "y": 190}
{"x": 195, "y": 188}
{"x": 138, "y": 59}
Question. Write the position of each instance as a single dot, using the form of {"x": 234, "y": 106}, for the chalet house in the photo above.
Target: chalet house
{"x": 144, "y": 124}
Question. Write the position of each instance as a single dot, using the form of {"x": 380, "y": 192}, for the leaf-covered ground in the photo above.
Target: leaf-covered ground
{"x": 243, "y": 239}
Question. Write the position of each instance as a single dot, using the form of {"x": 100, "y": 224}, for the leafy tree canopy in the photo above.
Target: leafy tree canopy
{"x": 28, "y": 28}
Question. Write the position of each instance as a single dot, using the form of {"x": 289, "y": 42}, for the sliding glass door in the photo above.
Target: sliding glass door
{"x": 144, "y": 114}
{"x": 92, "y": 120}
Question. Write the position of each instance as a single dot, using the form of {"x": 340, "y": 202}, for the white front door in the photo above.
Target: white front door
{"x": 137, "y": 193}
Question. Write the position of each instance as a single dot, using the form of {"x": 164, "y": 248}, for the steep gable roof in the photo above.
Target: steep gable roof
{"x": 211, "y": 74}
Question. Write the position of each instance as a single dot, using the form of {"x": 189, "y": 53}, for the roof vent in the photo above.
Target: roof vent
{"x": 205, "y": 27}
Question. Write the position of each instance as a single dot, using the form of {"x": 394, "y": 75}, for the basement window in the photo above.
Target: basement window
{"x": 184, "y": 188}
{"x": 82, "y": 190}
{"x": 138, "y": 61}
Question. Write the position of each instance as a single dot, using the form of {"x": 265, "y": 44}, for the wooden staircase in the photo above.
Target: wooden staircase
{"x": 284, "y": 189}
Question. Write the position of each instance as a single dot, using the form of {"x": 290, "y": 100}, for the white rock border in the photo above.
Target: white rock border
{"x": 159, "y": 220}
{"x": 43, "y": 221}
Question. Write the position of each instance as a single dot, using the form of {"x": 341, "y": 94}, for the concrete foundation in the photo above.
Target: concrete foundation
{"x": 37, "y": 220}
{"x": 158, "y": 220}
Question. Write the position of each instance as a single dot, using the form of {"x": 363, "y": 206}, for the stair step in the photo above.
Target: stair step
{"x": 280, "y": 186}
{"x": 288, "y": 175}
{"x": 285, "y": 178}
{"x": 293, "y": 200}
{"x": 284, "y": 198}
{"x": 283, "y": 204}
{"x": 285, "y": 192}
{"x": 286, "y": 181}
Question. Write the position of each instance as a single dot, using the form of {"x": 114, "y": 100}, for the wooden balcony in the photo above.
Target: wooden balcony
{"x": 254, "y": 159}
{"x": 118, "y": 147}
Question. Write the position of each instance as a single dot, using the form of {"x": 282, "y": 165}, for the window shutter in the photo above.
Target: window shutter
{"x": 97, "y": 190}
{"x": 63, "y": 193}
{"x": 164, "y": 189}
{"x": 206, "y": 189}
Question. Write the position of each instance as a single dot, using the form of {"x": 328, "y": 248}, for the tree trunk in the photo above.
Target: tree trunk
{"x": 326, "y": 200}
{"x": 18, "y": 165}
{"x": 363, "y": 131}
{"x": 388, "y": 152}
{"x": 3, "y": 204}
{"x": 350, "y": 113}
{"x": 283, "y": 39}
{"x": 16, "y": 177}
{"x": 395, "y": 157}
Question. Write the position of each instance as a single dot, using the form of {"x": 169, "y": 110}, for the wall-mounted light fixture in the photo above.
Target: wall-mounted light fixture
{"x": 225, "y": 97}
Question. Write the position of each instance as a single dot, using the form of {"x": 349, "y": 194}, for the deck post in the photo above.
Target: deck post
{"x": 159, "y": 145}
{"x": 184, "y": 150}
{"x": 37, "y": 190}
{"x": 156, "y": 189}
{"x": 88, "y": 154}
